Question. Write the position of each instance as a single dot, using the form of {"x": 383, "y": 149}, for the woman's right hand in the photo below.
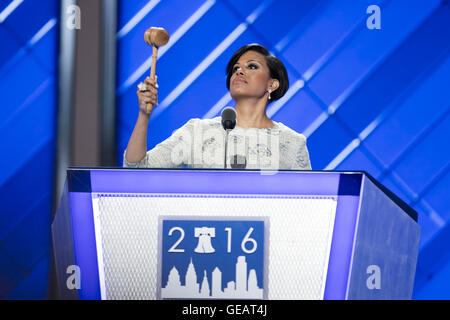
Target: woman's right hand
{"x": 148, "y": 97}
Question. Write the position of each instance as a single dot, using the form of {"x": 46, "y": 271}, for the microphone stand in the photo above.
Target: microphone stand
{"x": 228, "y": 123}
{"x": 226, "y": 147}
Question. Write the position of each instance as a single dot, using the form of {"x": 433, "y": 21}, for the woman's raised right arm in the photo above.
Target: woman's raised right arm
{"x": 137, "y": 145}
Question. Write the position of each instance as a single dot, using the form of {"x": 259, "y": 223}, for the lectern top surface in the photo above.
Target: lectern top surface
{"x": 235, "y": 181}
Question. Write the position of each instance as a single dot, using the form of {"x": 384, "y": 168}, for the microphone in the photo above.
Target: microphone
{"x": 228, "y": 124}
{"x": 228, "y": 118}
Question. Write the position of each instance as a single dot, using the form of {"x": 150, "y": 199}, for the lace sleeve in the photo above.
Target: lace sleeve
{"x": 301, "y": 160}
{"x": 174, "y": 152}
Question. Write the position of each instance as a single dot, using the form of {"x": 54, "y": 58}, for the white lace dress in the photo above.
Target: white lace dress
{"x": 200, "y": 143}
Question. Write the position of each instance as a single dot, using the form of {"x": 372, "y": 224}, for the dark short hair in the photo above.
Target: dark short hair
{"x": 276, "y": 68}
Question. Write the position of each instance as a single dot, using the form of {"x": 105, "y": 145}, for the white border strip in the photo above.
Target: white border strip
{"x": 200, "y": 69}
{"x": 291, "y": 92}
{"x": 137, "y": 18}
{"x": 43, "y": 31}
{"x": 173, "y": 39}
{"x": 315, "y": 124}
{"x": 212, "y": 57}
{"x": 9, "y": 9}
{"x": 218, "y": 106}
{"x": 343, "y": 154}
{"x": 99, "y": 244}
{"x": 200, "y": 12}
{"x": 328, "y": 250}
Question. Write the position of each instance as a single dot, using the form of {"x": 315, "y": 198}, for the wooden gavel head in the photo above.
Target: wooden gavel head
{"x": 156, "y": 36}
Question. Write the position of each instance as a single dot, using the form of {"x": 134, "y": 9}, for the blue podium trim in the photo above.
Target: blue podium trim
{"x": 85, "y": 252}
{"x": 215, "y": 182}
{"x": 402, "y": 204}
{"x": 350, "y": 184}
{"x": 338, "y": 275}
{"x": 79, "y": 180}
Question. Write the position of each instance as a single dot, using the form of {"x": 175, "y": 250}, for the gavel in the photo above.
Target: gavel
{"x": 155, "y": 37}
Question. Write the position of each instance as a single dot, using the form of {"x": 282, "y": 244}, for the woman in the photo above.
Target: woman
{"x": 254, "y": 78}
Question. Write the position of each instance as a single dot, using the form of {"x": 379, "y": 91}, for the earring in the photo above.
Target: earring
{"x": 270, "y": 91}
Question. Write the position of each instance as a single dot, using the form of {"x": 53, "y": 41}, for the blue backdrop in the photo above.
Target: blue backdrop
{"x": 367, "y": 99}
{"x": 28, "y": 80}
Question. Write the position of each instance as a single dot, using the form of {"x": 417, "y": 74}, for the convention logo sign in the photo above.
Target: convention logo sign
{"x": 210, "y": 258}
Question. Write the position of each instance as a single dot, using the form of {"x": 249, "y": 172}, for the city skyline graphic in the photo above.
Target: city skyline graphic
{"x": 245, "y": 285}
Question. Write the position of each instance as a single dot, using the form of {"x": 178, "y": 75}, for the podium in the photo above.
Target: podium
{"x": 232, "y": 234}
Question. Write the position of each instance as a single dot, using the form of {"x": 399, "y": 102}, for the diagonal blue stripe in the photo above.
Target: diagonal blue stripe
{"x": 23, "y": 51}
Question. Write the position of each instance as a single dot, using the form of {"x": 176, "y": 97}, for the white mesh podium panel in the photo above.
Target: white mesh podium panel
{"x": 300, "y": 232}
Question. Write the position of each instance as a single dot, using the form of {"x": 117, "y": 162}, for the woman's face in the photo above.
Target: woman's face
{"x": 250, "y": 76}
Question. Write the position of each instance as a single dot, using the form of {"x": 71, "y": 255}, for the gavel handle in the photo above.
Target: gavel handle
{"x": 152, "y": 72}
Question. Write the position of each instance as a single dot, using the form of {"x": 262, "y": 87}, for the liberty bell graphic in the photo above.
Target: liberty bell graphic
{"x": 204, "y": 235}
